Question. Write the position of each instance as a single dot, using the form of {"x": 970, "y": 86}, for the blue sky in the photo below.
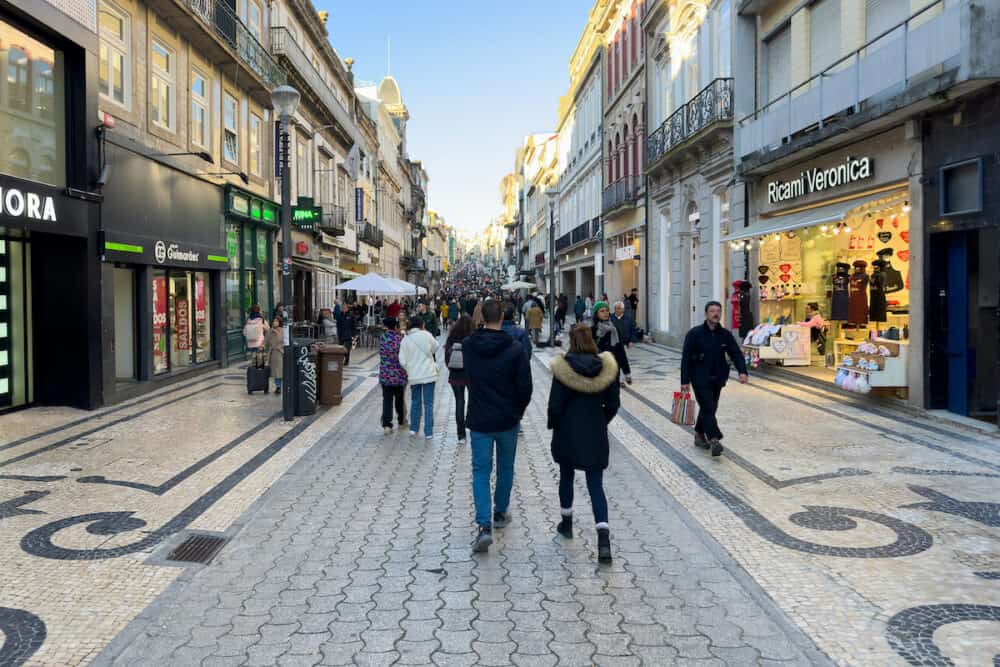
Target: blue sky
{"x": 476, "y": 76}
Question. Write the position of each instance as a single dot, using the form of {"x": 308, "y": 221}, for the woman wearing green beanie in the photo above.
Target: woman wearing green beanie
{"x": 609, "y": 338}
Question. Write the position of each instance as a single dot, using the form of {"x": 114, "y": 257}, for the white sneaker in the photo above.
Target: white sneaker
{"x": 429, "y": 437}
{"x": 387, "y": 430}
{"x": 413, "y": 434}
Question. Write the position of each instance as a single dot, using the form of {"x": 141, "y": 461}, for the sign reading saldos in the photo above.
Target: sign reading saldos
{"x": 816, "y": 180}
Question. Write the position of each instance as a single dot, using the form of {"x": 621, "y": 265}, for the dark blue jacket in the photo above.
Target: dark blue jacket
{"x": 703, "y": 361}
{"x": 499, "y": 381}
{"x": 518, "y": 334}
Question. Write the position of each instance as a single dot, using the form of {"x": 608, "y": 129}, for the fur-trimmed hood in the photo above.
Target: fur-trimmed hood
{"x": 586, "y": 373}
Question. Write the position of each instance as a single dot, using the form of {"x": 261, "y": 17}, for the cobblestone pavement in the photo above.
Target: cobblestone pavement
{"x": 360, "y": 555}
{"x": 826, "y": 533}
{"x": 87, "y": 497}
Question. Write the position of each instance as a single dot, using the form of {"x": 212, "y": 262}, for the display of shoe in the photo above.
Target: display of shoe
{"x": 717, "y": 447}
{"x": 501, "y": 519}
{"x": 700, "y": 441}
{"x": 483, "y": 540}
{"x": 604, "y": 545}
{"x": 565, "y": 527}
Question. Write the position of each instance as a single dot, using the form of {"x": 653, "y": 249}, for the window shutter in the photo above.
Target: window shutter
{"x": 824, "y": 34}
{"x": 779, "y": 73}
{"x": 883, "y": 15}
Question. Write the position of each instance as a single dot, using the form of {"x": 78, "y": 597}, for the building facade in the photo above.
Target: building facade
{"x": 833, "y": 142}
{"x": 577, "y": 243}
{"x": 689, "y": 160}
{"x": 190, "y": 154}
{"x": 50, "y": 187}
{"x": 623, "y": 198}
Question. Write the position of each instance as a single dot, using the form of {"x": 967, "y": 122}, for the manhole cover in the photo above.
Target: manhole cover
{"x": 198, "y": 549}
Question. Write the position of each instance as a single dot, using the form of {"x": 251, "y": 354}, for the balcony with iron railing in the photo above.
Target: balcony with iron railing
{"x": 710, "y": 109}
{"x": 370, "y": 235}
{"x": 217, "y": 33}
{"x": 284, "y": 45}
{"x": 936, "y": 48}
{"x": 334, "y": 220}
{"x": 623, "y": 192}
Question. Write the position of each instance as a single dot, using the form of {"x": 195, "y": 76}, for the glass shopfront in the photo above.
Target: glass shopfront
{"x": 182, "y": 319}
{"x": 833, "y": 298}
{"x": 15, "y": 324}
{"x": 251, "y": 223}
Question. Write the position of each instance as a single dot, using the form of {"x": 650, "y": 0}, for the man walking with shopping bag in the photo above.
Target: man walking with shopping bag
{"x": 705, "y": 369}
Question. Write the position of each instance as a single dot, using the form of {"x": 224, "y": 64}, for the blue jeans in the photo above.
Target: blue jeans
{"x": 482, "y": 469}
{"x": 422, "y": 393}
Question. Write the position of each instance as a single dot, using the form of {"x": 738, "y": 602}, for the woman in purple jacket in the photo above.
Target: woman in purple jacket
{"x": 391, "y": 375}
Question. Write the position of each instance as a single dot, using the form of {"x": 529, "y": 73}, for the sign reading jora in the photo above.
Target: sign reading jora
{"x": 816, "y": 180}
{"x": 19, "y": 204}
{"x": 162, "y": 252}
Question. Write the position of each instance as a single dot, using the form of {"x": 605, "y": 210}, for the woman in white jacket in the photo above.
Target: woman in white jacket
{"x": 417, "y": 356}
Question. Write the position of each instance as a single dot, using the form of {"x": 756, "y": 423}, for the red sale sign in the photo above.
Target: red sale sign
{"x": 199, "y": 301}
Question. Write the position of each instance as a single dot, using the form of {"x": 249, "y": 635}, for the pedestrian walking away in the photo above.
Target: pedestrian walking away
{"x": 274, "y": 351}
{"x": 254, "y": 329}
{"x": 585, "y": 397}
{"x": 458, "y": 379}
{"x": 347, "y": 329}
{"x": 500, "y": 387}
{"x": 534, "y": 323}
{"x": 515, "y": 332}
{"x": 391, "y": 375}
{"x": 430, "y": 319}
{"x": 625, "y": 326}
{"x": 705, "y": 369}
{"x": 578, "y": 308}
{"x": 418, "y": 357}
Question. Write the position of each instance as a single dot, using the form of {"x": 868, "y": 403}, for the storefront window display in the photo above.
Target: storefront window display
{"x": 251, "y": 223}
{"x": 182, "y": 333}
{"x": 833, "y": 298}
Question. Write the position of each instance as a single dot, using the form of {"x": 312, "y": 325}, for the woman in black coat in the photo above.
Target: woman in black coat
{"x": 585, "y": 397}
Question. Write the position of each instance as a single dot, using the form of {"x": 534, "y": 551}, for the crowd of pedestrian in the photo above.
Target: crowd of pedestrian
{"x": 490, "y": 335}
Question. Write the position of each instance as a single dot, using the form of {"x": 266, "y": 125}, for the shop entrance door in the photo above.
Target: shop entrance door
{"x": 956, "y": 346}
{"x": 6, "y": 325}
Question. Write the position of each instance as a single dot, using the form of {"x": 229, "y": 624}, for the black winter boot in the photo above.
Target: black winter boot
{"x": 565, "y": 527}
{"x": 604, "y": 545}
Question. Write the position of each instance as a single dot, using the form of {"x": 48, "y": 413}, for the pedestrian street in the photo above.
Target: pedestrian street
{"x": 825, "y": 534}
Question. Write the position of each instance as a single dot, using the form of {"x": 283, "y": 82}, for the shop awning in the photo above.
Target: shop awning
{"x": 313, "y": 265}
{"x": 347, "y": 273}
{"x": 817, "y": 215}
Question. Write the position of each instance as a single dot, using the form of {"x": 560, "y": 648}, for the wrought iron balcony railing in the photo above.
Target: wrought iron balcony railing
{"x": 564, "y": 241}
{"x": 334, "y": 220}
{"x": 284, "y": 44}
{"x": 371, "y": 235}
{"x": 227, "y": 25}
{"x": 624, "y": 191}
{"x": 713, "y": 104}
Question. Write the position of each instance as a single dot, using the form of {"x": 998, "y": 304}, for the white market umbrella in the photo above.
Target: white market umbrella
{"x": 408, "y": 286}
{"x": 373, "y": 284}
{"x": 518, "y": 284}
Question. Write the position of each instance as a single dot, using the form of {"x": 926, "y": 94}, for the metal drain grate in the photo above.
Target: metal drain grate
{"x": 198, "y": 549}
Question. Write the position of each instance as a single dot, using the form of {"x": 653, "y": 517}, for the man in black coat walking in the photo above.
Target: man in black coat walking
{"x": 704, "y": 367}
{"x": 499, "y": 373}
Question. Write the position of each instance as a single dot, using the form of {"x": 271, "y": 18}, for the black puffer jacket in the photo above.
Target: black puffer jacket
{"x": 585, "y": 397}
{"x": 499, "y": 381}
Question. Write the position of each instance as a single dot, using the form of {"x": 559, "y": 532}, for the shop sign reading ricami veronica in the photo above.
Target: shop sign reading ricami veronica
{"x": 816, "y": 180}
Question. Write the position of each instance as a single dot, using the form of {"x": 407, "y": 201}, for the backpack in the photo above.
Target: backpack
{"x": 455, "y": 361}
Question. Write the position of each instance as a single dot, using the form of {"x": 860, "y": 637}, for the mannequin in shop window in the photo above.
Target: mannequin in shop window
{"x": 876, "y": 292}
{"x": 840, "y": 292}
{"x": 746, "y": 308}
{"x": 857, "y": 307}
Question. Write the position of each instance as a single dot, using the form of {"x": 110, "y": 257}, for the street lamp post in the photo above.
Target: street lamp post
{"x": 552, "y": 195}
{"x": 285, "y": 99}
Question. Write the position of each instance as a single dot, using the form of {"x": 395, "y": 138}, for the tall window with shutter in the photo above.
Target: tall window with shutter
{"x": 883, "y": 15}
{"x": 824, "y": 34}
{"x": 778, "y": 59}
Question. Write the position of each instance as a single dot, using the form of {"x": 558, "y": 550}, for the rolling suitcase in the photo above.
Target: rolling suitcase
{"x": 258, "y": 374}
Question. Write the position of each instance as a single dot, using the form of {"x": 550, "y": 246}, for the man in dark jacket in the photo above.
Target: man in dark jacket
{"x": 704, "y": 367}
{"x": 430, "y": 319}
{"x": 499, "y": 374}
{"x": 514, "y": 331}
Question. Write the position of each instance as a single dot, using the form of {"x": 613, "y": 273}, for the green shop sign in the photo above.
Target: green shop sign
{"x": 246, "y": 205}
{"x": 306, "y": 216}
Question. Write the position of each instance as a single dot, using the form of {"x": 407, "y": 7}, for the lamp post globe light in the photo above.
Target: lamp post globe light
{"x": 285, "y": 100}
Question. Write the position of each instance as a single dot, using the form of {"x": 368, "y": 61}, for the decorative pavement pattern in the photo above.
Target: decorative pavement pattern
{"x": 826, "y": 533}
